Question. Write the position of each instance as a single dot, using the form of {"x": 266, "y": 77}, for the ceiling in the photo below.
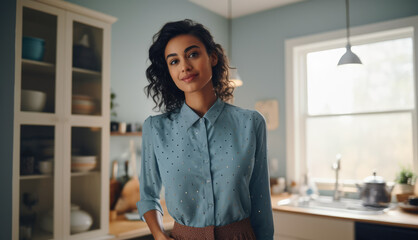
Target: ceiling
{"x": 241, "y": 7}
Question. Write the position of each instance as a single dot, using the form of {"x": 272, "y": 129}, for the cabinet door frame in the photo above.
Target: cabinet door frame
{"x": 40, "y": 119}
{"x": 101, "y": 121}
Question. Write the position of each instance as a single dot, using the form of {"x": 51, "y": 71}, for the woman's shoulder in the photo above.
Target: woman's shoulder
{"x": 249, "y": 114}
{"x": 161, "y": 119}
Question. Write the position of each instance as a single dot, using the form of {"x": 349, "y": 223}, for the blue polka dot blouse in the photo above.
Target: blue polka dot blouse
{"x": 214, "y": 169}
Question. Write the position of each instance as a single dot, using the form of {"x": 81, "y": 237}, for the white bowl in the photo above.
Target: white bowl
{"x": 33, "y": 100}
{"x": 82, "y": 167}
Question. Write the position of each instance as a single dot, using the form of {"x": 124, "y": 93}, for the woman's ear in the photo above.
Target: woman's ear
{"x": 213, "y": 59}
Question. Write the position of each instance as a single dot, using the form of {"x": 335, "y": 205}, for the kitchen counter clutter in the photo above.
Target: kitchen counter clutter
{"x": 394, "y": 217}
{"x": 327, "y": 224}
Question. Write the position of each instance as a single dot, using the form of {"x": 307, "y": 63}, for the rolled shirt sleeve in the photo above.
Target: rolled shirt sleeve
{"x": 150, "y": 179}
{"x": 261, "y": 212}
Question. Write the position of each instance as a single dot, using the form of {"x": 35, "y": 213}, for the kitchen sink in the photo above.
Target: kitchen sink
{"x": 327, "y": 203}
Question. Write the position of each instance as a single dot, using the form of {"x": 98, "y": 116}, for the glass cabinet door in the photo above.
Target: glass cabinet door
{"x": 36, "y": 192}
{"x": 87, "y": 52}
{"x": 39, "y": 52}
{"x": 86, "y": 158}
{"x": 39, "y": 36}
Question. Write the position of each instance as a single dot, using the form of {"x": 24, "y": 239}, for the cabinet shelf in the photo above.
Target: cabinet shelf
{"x": 77, "y": 174}
{"x": 126, "y": 134}
{"x": 85, "y": 74}
{"x": 35, "y": 176}
{"x": 37, "y": 67}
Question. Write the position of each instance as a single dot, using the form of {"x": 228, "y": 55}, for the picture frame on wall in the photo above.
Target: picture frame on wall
{"x": 270, "y": 110}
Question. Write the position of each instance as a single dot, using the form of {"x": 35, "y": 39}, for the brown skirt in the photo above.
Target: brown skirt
{"x": 240, "y": 230}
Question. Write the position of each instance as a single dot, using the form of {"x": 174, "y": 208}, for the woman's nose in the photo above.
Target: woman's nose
{"x": 185, "y": 66}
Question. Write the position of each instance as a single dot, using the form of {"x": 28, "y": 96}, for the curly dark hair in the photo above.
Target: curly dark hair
{"x": 166, "y": 95}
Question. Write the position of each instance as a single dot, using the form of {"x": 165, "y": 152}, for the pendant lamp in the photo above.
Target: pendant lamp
{"x": 349, "y": 57}
{"x": 234, "y": 77}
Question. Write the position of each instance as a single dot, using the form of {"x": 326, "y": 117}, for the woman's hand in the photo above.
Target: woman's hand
{"x": 154, "y": 219}
{"x": 163, "y": 236}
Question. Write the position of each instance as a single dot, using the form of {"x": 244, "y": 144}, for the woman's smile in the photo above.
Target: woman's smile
{"x": 189, "y": 77}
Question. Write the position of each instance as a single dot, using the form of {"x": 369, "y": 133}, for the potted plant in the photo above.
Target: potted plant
{"x": 405, "y": 180}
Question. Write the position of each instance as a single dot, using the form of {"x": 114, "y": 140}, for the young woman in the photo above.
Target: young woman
{"x": 209, "y": 155}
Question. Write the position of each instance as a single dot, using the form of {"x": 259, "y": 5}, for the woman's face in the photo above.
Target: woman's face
{"x": 189, "y": 64}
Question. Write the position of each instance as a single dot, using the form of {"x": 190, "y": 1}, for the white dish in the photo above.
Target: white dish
{"x": 33, "y": 100}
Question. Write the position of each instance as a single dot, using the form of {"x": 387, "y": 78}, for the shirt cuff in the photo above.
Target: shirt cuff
{"x": 147, "y": 205}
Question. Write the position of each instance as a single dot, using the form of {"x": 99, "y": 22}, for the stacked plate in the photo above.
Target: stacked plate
{"x": 83, "y": 163}
{"x": 82, "y": 104}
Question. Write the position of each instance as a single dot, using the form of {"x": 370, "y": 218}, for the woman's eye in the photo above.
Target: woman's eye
{"x": 193, "y": 54}
{"x": 172, "y": 62}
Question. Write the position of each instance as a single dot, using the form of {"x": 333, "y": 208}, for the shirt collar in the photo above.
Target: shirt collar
{"x": 189, "y": 117}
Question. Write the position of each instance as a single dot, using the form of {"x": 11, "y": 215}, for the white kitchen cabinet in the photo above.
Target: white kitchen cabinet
{"x": 293, "y": 226}
{"x": 73, "y": 121}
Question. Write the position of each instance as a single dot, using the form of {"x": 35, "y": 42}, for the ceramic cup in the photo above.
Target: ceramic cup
{"x": 122, "y": 127}
{"x": 45, "y": 166}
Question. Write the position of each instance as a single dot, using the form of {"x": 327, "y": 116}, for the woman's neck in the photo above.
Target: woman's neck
{"x": 201, "y": 103}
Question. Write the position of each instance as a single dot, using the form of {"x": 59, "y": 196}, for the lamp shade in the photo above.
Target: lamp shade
{"x": 349, "y": 57}
{"x": 234, "y": 78}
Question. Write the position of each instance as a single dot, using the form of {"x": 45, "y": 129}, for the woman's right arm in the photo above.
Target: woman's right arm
{"x": 149, "y": 206}
{"x": 154, "y": 220}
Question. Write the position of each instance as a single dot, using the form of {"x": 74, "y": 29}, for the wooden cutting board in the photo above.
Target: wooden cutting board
{"x": 130, "y": 192}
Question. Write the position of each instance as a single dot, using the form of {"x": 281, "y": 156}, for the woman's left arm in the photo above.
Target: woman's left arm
{"x": 261, "y": 211}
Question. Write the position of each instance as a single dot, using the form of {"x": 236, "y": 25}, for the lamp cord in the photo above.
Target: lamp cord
{"x": 230, "y": 29}
{"x": 347, "y": 13}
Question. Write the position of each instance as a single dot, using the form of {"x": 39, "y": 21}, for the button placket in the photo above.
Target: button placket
{"x": 207, "y": 172}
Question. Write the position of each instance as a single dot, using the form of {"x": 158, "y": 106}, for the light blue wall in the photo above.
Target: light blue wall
{"x": 7, "y": 75}
{"x": 138, "y": 21}
{"x": 258, "y": 48}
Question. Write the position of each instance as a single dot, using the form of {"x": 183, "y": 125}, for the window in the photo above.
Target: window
{"x": 366, "y": 113}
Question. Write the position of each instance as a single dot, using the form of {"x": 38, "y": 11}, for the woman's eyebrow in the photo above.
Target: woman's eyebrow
{"x": 191, "y": 47}
{"x": 185, "y": 50}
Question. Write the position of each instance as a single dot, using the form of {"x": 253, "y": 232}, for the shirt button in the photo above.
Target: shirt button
{"x": 210, "y": 205}
{"x": 208, "y": 181}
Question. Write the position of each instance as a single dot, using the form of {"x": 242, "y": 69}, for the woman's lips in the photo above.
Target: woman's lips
{"x": 189, "y": 78}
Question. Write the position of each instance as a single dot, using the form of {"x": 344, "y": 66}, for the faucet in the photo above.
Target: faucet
{"x": 336, "y": 166}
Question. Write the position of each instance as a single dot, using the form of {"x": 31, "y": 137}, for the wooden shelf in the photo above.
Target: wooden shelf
{"x": 126, "y": 134}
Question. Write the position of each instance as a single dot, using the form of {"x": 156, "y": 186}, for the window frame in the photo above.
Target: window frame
{"x": 296, "y": 50}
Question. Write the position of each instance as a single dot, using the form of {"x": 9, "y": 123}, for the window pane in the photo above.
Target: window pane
{"x": 366, "y": 142}
{"x": 383, "y": 82}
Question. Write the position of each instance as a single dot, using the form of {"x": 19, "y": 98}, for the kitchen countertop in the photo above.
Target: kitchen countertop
{"x": 395, "y": 217}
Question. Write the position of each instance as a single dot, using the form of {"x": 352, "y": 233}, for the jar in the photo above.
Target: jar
{"x": 81, "y": 221}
